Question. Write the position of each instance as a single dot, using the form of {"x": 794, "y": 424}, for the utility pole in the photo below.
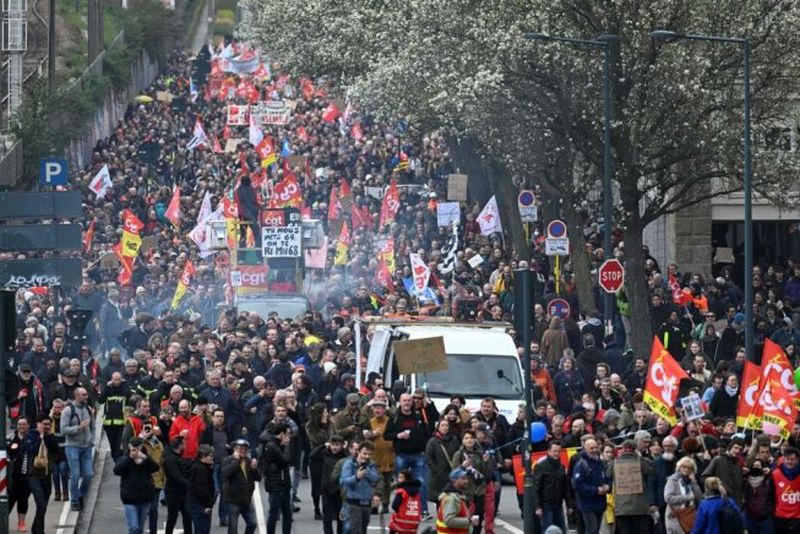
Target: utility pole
{"x": 51, "y": 47}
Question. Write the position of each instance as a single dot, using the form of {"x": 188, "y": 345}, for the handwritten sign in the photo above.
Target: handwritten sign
{"x": 420, "y": 355}
{"x": 282, "y": 241}
{"x": 232, "y": 144}
{"x": 457, "y": 187}
{"x": 628, "y": 478}
{"x": 447, "y": 213}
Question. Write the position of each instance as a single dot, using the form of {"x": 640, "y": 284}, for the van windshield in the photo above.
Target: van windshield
{"x": 475, "y": 375}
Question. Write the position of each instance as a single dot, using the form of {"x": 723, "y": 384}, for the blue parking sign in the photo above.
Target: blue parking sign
{"x": 53, "y": 172}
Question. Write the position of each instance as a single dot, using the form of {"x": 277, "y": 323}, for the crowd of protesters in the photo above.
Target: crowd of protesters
{"x": 201, "y": 402}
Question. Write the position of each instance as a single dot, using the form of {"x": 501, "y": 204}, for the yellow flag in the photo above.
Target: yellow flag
{"x": 131, "y": 243}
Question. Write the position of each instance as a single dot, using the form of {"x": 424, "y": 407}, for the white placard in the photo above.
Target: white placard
{"x": 374, "y": 192}
{"x": 282, "y": 241}
{"x": 693, "y": 407}
{"x": 475, "y": 260}
{"x": 447, "y": 213}
{"x": 271, "y": 112}
{"x": 236, "y": 278}
{"x": 556, "y": 246}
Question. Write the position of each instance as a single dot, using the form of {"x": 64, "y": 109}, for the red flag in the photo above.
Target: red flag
{"x": 775, "y": 405}
{"x": 679, "y": 297}
{"x": 360, "y": 218}
{"x": 748, "y": 394}
{"x": 302, "y": 134}
{"x": 125, "y": 265}
{"x": 226, "y": 132}
{"x": 305, "y": 211}
{"x": 331, "y": 113}
{"x": 131, "y": 223}
{"x": 88, "y": 236}
{"x": 390, "y": 205}
{"x": 356, "y": 131}
{"x": 286, "y": 193}
{"x": 173, "y": 213}
{"x": 383, "y": 278}
{"x": 265, "y": 148}
{"x": 663, "y": 378}
{"x": 217, "y": 147}
{"x": 334, "y": 210}
{"x": 307, "y": 88}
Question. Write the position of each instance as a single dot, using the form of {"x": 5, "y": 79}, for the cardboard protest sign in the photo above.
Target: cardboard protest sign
{"x": 420, "y": 355}
{"x": 149, "y": 243}
{"x": 231, "y": 144}
{"x": 628, "y": 478}
{"x": 109, "y": 261}
{"x": 457, "y": 187}
{"x": 164, "y": 96}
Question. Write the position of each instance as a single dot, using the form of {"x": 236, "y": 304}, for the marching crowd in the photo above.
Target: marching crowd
{"x": 200, "y": 402}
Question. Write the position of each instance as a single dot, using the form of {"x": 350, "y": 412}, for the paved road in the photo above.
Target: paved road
{"x": 109, "y": 518}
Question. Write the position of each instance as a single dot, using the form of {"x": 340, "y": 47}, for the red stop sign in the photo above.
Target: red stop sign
{"x": 611, "y": 276}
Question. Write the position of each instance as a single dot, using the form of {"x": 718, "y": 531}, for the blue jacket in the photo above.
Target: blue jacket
{"x": 361, "y": 490}
{"x": 588, "y": 475}
{"x": 706, "y": 521}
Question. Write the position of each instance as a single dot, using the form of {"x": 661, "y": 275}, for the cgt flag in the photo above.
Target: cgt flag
{"x": 183, "y": 284}
{"x": 342, "y": 247}
{"x": 663, "y": 378}
{"x": 173, "y": 213}
{"x": 390, "y": 205}
{"x": 775, "y": 409}
{"x": 751, "y": 377}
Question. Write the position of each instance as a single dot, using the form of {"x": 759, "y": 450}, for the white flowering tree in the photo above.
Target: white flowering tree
{"x": 535, "y": 108}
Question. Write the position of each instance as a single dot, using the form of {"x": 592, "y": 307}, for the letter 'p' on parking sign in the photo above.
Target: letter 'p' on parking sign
{"x": 53, "y": 172}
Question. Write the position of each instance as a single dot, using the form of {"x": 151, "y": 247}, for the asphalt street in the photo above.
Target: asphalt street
{"x": 109, "y": 518}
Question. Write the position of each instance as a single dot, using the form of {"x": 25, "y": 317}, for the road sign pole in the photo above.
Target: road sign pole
{"x": 523, "y": 277}
{"x": 4, "y": 471}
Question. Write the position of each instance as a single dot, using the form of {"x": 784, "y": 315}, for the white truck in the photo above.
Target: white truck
{"x": 482, "y": 362}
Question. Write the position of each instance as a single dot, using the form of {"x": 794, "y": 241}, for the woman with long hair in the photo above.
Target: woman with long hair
{"x": 319, "y": 430}
{"x": 439, "y": 453}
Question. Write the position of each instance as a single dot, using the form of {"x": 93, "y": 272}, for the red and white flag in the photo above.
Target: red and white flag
{"x": 173, "y": 213}
{"x": 390, "y": 205}
{"x": 101, "y": 182}
{"x": 331, "y": 113}
{"x": 679, "y": 296}
{"x": 199, "y": 138}
{"x": 489, "y": 218}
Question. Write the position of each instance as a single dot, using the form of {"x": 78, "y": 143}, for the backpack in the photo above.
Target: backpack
{"x": 729, "y": 518}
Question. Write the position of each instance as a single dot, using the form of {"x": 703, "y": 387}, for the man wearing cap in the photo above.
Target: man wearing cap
{"x": 135, "y": 469}
{"x": 632, "y": 508}
{"x": 115, "y": 397}
{"x": 452, "y": 516}
{"x": 348, "y": 420}
{"x": 239, "y": 476}
{"x": 31, "y": 399}
{"x": 65, "y": 388}
{"x": 346, "y": 387}
{"x": 384, "y": 449}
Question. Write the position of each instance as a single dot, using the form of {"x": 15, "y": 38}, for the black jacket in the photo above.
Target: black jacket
{"x": 136, "y": 482}
{"x": 549, "y": 483}
{"x": 237, "y": 488}
{"x": 329, "y": 460}
{"x": 276, "y": 460}
{"x": 201, "y": 484}
{"x": 176, "y": 469}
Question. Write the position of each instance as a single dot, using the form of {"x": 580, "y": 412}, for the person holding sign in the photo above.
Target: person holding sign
{"x": 634, "y": 496}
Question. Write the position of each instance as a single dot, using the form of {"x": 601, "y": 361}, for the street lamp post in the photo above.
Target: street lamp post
{"x": 747, "y": 178}
{"x": 604, "y": 42}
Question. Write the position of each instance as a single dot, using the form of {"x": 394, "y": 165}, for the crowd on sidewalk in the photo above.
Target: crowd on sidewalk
{"x": 200, "y": 401}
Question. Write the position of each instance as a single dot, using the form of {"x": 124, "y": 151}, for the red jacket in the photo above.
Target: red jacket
{"x": 195, "y": 426}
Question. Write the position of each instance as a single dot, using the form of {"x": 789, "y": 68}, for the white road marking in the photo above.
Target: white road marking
{"x": 259, "y": 506}
{"x": 62, "y": 519}
{"x": 508, "y": 527}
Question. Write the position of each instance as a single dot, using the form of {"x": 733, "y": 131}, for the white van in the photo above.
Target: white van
{"x": 482, "y": 362}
